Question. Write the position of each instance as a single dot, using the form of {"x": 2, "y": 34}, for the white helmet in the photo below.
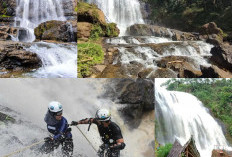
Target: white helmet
{"x": 55, "y": 107}
{"x": 103, "y": 115}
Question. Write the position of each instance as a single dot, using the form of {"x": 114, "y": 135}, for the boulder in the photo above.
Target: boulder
{"x": 222, "y": 56}
{"x": 153, "y": 30}
{"x": 111, "y": 71}
{"x": 211, "y": 33}
{"x": 65, "y": 31}
{"x": 14, "y": 57}
{"x": 90, "y": 13}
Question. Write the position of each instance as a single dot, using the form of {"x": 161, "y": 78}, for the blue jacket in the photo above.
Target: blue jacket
{"x": 57, "y": 128}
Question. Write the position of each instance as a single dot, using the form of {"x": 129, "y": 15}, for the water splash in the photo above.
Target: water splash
{"x": 59, "y": 60}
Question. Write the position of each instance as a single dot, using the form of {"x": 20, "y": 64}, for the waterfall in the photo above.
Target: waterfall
{"x": 122, "y": 12}
{"x": 180, "y": 115}
{"x": 30, "y": 13}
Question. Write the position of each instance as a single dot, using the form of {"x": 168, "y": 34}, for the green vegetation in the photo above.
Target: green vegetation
{"x": 89, "y": 54}
{"x": 163, "y": 151}
{"x": 216, "y": 94}
{"x": 189, "y": 15}
{"x": 90, "y": 13}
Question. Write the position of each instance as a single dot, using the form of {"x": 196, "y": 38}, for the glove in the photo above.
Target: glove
{"x": 74, "y": 123}
{"x": 47, "y": 139}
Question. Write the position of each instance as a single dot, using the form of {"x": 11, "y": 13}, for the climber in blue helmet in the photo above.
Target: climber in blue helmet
{"x": 58, "y": 126}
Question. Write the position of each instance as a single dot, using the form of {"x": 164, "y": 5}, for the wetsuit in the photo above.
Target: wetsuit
{"x": 109, "y": 136}
{"x": 62, "y": 135}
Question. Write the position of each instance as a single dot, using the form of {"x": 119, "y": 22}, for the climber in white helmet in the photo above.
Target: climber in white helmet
{"x": 109, "y": 131}
{"x": 57, "y": 125}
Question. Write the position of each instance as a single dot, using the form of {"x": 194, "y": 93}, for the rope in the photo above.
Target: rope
{"x": 20, "y": 150}
{"x": 86, "y": 139}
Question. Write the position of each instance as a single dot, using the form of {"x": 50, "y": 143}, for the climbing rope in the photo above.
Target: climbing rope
{"x": 87, "y": 139}
{"x": 20, "y": 150}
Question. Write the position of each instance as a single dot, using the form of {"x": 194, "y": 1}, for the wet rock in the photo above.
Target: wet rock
{"x": 214, "y": 72}
{"x": 163, "y": 73}
{"x": 222, "y": 56}
{"x": 6, "y": 118}
{"x": 153, "y": 30}
{"x": 65, "y": 31}
{"x": 112, "y": 71}
{"x": 145, "y": 73}
{"x": 14, "y": 57}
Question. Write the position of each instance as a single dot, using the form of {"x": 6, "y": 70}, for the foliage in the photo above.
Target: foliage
{"x": 96, "y": 32}
{"x": 89, "y": 54}
{"x": 163, "y": 151}
{"x": 192, "y": 13}
{"x": 216, "y": 94}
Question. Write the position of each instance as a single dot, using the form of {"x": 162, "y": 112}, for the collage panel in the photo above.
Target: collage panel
{"x": 38, "y": 38}
{"x": 76, "y": 117}
{"x": 193, "y": 117}
{"x": 154, "y": 39}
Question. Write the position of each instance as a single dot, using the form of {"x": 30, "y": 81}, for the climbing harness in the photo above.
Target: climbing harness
{"x": 27, "y": 147}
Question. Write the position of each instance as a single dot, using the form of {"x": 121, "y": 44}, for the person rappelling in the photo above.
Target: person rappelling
{"x": 58, "y": 126}
{"x": 109, "y": 131}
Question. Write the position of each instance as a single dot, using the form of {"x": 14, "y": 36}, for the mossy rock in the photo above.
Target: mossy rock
{"x": 90, "y": 13}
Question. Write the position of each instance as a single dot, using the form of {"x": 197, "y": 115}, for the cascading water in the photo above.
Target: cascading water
{"x": 80, "y": 99}
{"x": 138, "y": 51}
{"x": 180, "y": 115}
{"x": 122, "y": 12}
{"x": 31, "y": 13}
{"x": 58, "y": 60}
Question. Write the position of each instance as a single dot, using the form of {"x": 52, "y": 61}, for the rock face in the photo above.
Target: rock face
{"x": 65, "y": 31}
{"x": 211, "y": 33}
{"x": 69, "y": 9}
{"x": 7, "y": 7}
{"x": 137, "y": 97}
{"x": 222, "y": 56}
{"x": 14, "y": 57}
{"x": 152, "y": 30}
